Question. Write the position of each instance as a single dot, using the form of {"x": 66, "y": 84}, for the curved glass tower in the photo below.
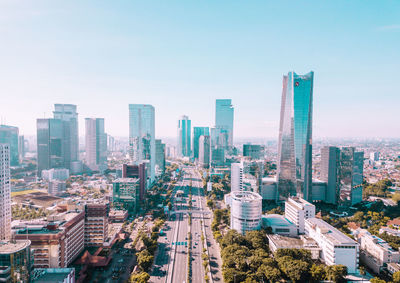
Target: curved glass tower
{"x": 295, "y": 136}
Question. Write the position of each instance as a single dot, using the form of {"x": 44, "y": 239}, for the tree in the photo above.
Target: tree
{"x": 377, "y": 280}
{"x": 336, "y": 273}
{"x": 317, "y": 272}
{"x": 141, "y": 277}
{"x": 145, "y": 260}
{"x": 270, "y": 272}
{"x": 294, "y": 269}
{"x": 396, "y": 277}
{"x": 257, "y": 240}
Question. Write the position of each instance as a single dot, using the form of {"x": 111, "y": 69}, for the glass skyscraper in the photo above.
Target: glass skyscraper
{"x": 224, "y": 118}
{"x": 160, "y": 157}
{"x": 184, "y": 134}
{"x": 96, "y": 144}
{"x": 142, "y": 136}
{"x": 9, "y": 135}
{"x": 295, "y": 137}
{"x": 197, "y": 132}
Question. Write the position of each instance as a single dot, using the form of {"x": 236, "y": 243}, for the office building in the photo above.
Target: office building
{"x": 337, "y": 248}
{"x": 15, "y": 261}
{"x": 204, "y": 151}
{"x": 56, "y": 242}
{"x": 280, "y": 225}
{"x": 59, "y": 275}
{"x": 224, "y": 112}
{"x": 96, "y": 144}
{"x": 9, "y": 135}
{"x": 184, "y": 134}
{"x": 246, "y": 211}
{"x": 69, "y": 117}
{"x": 342, "y": 170}
{"x": 126, "y": 194}
{"x": 295, "y": 137}
{"x": 5, "y": 193}
{"x": 142, "y": 137}
{"x": 374, "y": 156}
{"x": 56, "y": 187}
{"x": 160, "y": 158}
{"x": 61, "y": 174}
{"x": 197, "y": 133}
{"x": 136, "y": 172}
{"x": 297, "y": 210}
{"x": 254, "y": 151}
{"x": 268, "y": 189}
{"x": 96, "y": 224}
{"x": 236, "y": 177}
{"x": 21, "y": 148}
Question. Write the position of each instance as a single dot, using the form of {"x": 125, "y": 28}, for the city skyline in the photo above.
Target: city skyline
{"x": 111, "y": 59}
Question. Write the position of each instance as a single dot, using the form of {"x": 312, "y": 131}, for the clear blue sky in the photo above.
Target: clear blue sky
{"x": 182, "y": 55}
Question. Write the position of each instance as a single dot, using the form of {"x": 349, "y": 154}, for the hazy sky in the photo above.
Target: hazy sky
{"x": 182, "y": 55}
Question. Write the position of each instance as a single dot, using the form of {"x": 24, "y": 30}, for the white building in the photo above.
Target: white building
{"x": 236, "y": 177}
{"x": 375, "y": 252}
{"x": 61, "y": 174}
{"x": 277, "y": 242}
{"x": 297, "y": 210}
{"x": 5, "y": 193}
{"x": 336, "y": 247}
{"x": 95, "y": 144}
{"x": 374, "y": 156}
{"x": 246, "y": 211}
{"x": 56, "y": 187}
{"x": 280, "y": 225}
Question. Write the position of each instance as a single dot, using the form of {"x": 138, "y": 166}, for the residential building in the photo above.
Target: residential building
{"x": 96, "y": 144}
{"x": 336, "y": 247}
{"x": 184, "y": 134}
{"x": 224, "y": 113}
{"x": 96, "y": 224}
{"x": 197, "y": 133}
{"x": 295, "y": 137}
{"x": 160, "y": 157}
{"x": 9, "y": 135}
{"x": 236, "y": 177}
{"x": 254, "y": 151}
{"x": 246, "y": 211}
{"x": 142, "y": 137}
{"x": 59, "y": 275}
{"x": 137, "y": 172}
{"x": 56, "y": 187}
{"x": 5, "y": 193}
{"x": 15, "y": 261}
{"x": 61, "y": 174}
{"x": 56, "y": 242}
{"x": 126, "y": 194}
{"x": 297, "y": 210}
{"x": 204, "y": 151}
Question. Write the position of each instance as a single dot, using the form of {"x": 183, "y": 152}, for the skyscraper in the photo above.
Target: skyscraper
{"x": 21, "y": 147}
{"x": 96, "y": 144}
{"x": 295, "y": 137}
{"x": 197, "y": 132}
{"x": 142, "y": 136}
{"x": 5, "y": 193}
{"x": 9, "y": 135}
{"x": 67, "y": 113}
{"x": 204, "y": 151}
{"x": 160, "y": 157}
{"x": 184, "y": 133}
{"x": 224, "y": 118}
{"x": 50, "y": 146}
{"x": 237, "y": 177}
{"x": 329, "y": 167}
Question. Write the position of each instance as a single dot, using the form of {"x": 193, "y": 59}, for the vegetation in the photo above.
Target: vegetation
{"x": 379, "y": 189}
{"x": 27, "y": 213}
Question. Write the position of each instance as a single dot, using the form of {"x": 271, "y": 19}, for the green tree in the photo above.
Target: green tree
{"x": 336, "y": 273}
{"x": 396, "y": 277}
{"x": 145, "y": 260}
{"x": 377, "y": 280}
{"x": 142, "y": 277}
{"x": 296, "y": 270}
{"x": 317, "y": 272}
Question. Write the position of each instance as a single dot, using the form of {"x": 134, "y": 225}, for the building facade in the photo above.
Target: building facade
{"x": 246, "y": 211}
{"x": 9, "y": 135}
{"x": 197, "y": 133}
{"x": 224, "y": 113}
{"x": 15, "y": 261}
{"x": 204, "y": 151}
{"x": 297, "y": 210}
{"x": 95, "y": 144}
{"x": 96, "y": 224}
{"x": 236, "y": 177}
{"x": 160, "y": 157}
{"x": 5, "y": 193}
{"x": 136, "y": 172}
{"x": 184, "y": 134}
{"x": 126, "y": 194}
{"x": 295, "y": 136}
{"x": 254, "y": 151}
{"x": 142, "y": 136}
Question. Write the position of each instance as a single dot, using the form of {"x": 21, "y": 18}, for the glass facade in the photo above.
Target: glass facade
{"x": 197, "y": 132}
{"x": 184, "y": 136}
{"x": 15, "y": 261}
{"x": 9, "y": 135}
{"x": 224, "y": 118}
{"x": 126, "y": 194}
{"x": 295, "y": 136}
{"x": 142, "y": 136}
{"x": 160, "y": 157}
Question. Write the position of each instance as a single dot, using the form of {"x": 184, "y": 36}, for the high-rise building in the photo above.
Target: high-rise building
{"x": 96, "y": 144}
{"x": 295, "y": 137}
{"x": 237, "y": 177}
{"x": 9, "y": 135}
{"x": 142, "y": 136}
{"x": 160, "y": 157}
{"x": 342, "y": 170}
{"x": 254, "y": 151}
{"x": 136, "y": 172}
{"x": 21, "y": 147}
{"x": 204, "y": 151}
{"x": 184, "y": 133}
{"x": 126, "y": 194}
{"x": 246, "y": 211}
{"x": 5, "y": 193}
{"x": 16, "y": 261}
{"x": 224, "y": 117}
{"x": 297, "y": 210}
{"x": 96, "y": 224}
{"x": 197, "y": 133}
{"x": 67, "y": 113}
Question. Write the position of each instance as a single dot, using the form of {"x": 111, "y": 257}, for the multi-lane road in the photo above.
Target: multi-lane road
{"x": 171, "y": 263}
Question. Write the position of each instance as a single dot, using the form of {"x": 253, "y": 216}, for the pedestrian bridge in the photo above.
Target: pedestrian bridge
{"x": 190, "y": 211}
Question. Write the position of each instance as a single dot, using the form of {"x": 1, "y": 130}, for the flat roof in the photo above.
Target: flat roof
{"x": 126, "y": 180}
{"x": 285, "y": 242}
{"x": 245, "y": 196}
{"x": 276, "y": 220}
{"x": 330, "y": 232}
{"x": 51, "y": 274}
{"x": 13, "y": 247}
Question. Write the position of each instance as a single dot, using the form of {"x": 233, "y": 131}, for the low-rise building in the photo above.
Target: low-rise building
{"x": 390, "y": 231}
{"x": 117, "y": 216}
{"x": 277, "y": 242}
{"x": 59, "y": 275}
{"x": 297, "y": 210}
{"x": 280, "y": 225}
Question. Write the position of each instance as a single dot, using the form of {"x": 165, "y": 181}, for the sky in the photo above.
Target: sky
{"x": 182, "y": 55}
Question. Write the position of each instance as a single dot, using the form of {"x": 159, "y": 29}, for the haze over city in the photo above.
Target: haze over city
{"x": 181, "y": 56}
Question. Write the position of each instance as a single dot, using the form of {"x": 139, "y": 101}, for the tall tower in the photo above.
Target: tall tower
{"x": 224, "y": 118}
{"x": 184, "y": 133}
{"x": 5, "y": 193}
{"x": 67, "y": 113}
{"x": 96, "y": 144}
{"x": 142, "y": 136}
{"x": 9, "y": 135}
{"x": 197, "y": 133}
{"x": 295, "y": 137}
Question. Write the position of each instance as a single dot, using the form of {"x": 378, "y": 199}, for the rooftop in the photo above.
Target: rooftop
{"x": 51, "y": 274}
{"x": 245, "y": 196}
{"x": 13, "y": 247}
{"x": 276, "y": 220}
{"x": 126, "y": 180}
